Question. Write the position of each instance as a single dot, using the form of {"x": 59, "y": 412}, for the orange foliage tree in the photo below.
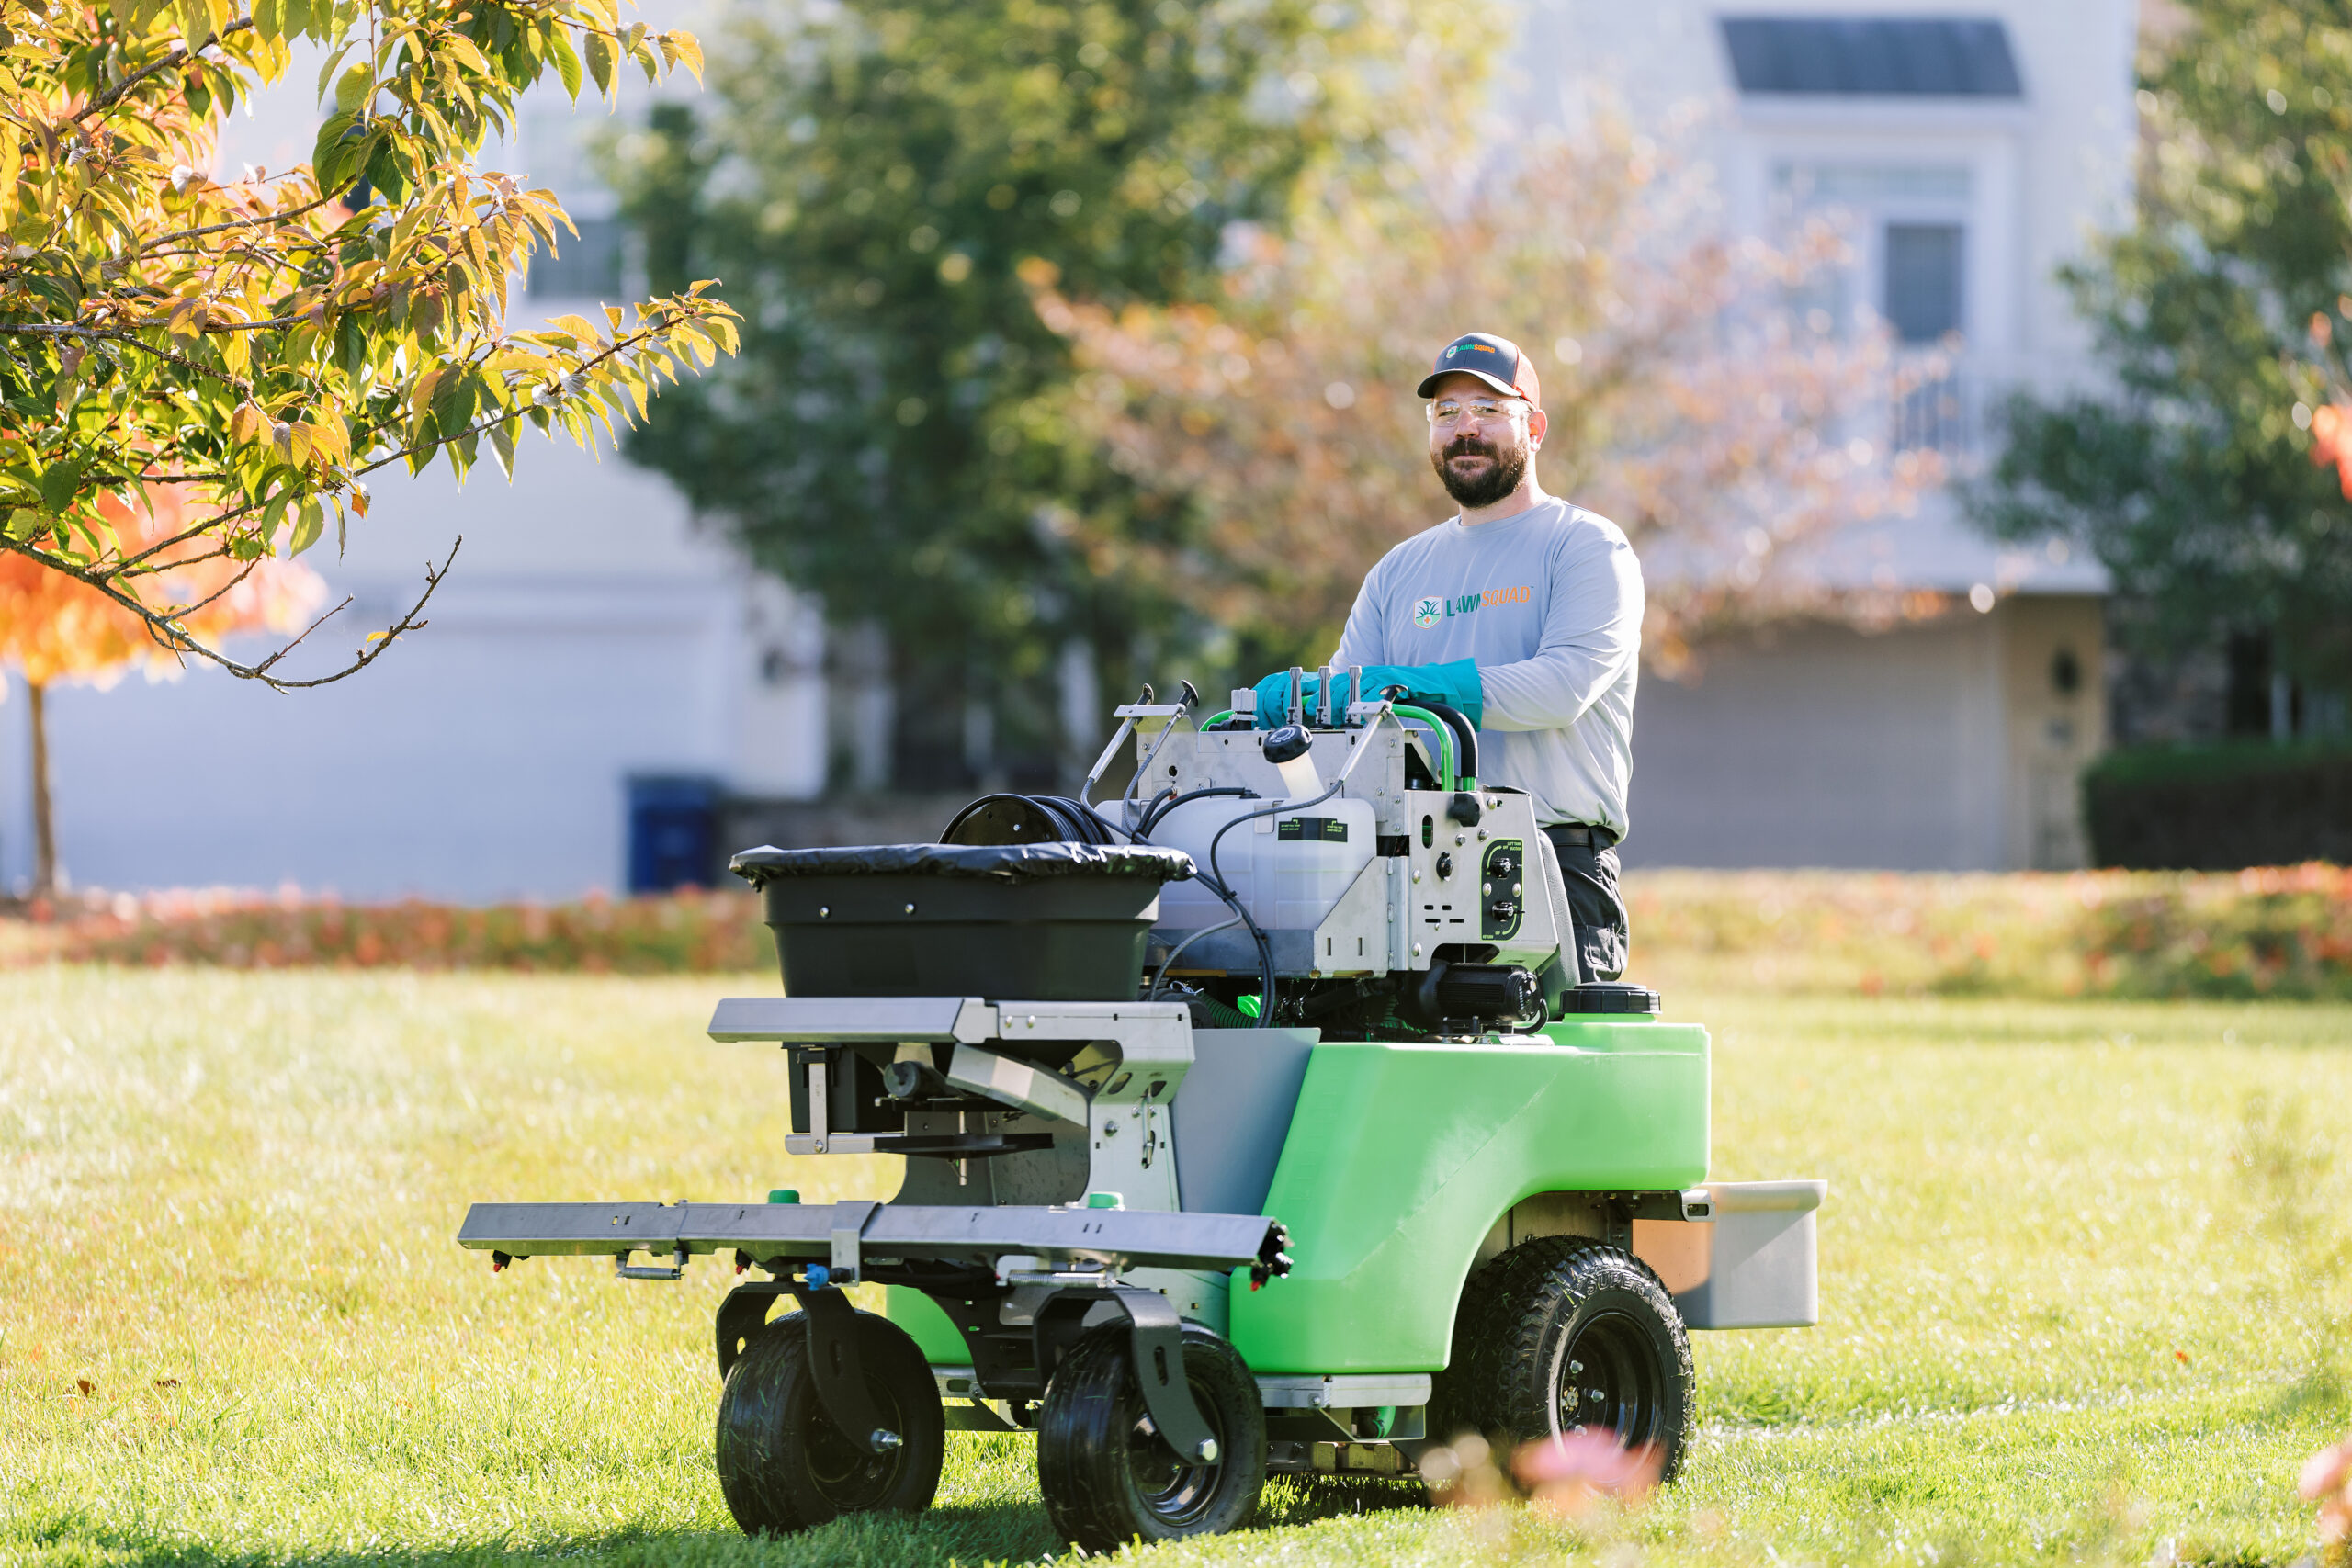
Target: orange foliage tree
{"x": 54, "y": 627}
{"x": 1696, "y": 396}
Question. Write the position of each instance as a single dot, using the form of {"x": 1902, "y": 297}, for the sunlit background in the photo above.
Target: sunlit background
{"x": 1064, "y": 375}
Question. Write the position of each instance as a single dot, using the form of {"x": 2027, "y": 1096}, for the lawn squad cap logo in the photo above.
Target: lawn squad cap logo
{"x": 1428, "y": 610}
{"x": 1497, "y": 361}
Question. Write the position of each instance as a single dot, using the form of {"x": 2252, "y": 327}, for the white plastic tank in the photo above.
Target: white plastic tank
{"x": 1287, "y": 868}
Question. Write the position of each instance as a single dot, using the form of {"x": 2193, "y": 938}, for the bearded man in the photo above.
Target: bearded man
{"x": 1542, "y": 599}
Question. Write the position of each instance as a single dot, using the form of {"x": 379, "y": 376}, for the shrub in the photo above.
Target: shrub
{"x": 687, "y": 930}
{"x": 2220, "y": 807}
{"x": 2283, "y": 933}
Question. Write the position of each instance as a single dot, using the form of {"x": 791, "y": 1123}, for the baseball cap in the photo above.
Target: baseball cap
{"x": 1497, "y": 361}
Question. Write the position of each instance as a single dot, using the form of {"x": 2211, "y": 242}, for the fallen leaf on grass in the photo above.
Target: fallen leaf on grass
{"x": 89, "y": 1390}
{"x": 167, "y": 1382}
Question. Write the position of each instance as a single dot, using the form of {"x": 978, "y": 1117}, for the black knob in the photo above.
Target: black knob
{"x": 914, "y": 1080}
{"x": 1463, "y": 808}
{"x": 1287, "y": 744}
{"x": 1445, "y": 865}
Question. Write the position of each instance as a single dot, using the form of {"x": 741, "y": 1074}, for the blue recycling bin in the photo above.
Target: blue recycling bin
{"x": 673, "y": 826}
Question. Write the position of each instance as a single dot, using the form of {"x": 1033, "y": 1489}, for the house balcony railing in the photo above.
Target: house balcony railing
{"x": 1936, "y": 405}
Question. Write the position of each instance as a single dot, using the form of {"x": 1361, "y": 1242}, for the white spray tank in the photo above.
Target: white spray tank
{"x": 1287, "y": 867}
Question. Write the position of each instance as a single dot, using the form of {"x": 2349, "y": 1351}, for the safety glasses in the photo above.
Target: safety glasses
{"x": 1483, "y": 411}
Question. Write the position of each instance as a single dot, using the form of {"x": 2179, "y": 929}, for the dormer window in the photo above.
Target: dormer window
{"x": 1950, "y": 57}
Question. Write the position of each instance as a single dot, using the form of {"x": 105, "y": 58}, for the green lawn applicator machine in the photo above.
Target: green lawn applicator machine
{"x": 1257, "y": 1120}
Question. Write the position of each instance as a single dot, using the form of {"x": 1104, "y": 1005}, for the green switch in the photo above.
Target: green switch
{"x": 784, "y": 1195}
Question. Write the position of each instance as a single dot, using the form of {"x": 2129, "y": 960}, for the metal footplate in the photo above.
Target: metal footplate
{"x": 1112, "y": 1239}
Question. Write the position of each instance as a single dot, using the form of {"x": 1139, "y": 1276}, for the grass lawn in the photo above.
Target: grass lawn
{"x": 2075, "y": 1292}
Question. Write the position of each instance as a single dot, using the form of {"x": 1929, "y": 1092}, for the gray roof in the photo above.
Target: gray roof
{"x": 1882, "y": 56}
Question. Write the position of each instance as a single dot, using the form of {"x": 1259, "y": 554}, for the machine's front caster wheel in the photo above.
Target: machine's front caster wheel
{"x": 1107, "y": 1476}
{"x": 1563, "y": 1334}
{"x": 782, "y": 1465}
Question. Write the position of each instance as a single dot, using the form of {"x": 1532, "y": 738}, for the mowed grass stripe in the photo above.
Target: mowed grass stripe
{"x": 2065, "y": 1309}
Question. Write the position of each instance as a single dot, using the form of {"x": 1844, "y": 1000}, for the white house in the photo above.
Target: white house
{"x": 593, "y": 645}
{"x": 1972, "y": 150}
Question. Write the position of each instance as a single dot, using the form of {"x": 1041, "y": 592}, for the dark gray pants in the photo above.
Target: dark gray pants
{"x": 1603, "y": 933}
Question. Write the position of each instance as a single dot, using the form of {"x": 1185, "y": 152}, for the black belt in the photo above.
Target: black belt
{"x": 1581, "y": 835}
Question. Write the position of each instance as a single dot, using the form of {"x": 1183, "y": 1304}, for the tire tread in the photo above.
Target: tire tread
{"x": 1508, "y": 1306}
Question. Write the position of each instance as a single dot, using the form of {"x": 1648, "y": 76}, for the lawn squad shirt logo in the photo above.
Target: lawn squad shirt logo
{"x": 1432, "y": 608}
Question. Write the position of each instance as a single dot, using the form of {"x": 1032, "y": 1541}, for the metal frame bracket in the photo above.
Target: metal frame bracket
{"x": 845, "y": 1261}
{"x": 624, "y": 1269}
{"x": 830, "y": 1322}
{"x": 1158, "y": 1333}
{"x": 839, "y": 1370}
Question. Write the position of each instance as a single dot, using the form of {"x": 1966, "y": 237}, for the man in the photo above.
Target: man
{"x": 1546, "y": 598}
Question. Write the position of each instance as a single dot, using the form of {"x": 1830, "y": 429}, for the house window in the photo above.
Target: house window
{"x": 1923, "y": 271}
{"x": 586, "y": 268}
{"x": 1965, "y": 57}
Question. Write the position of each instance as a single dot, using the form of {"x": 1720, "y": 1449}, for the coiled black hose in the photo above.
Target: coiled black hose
{"x": 1266, "y": 1004}
{"x": 1162, "y": 804}
{"x": 1031, "y": 818}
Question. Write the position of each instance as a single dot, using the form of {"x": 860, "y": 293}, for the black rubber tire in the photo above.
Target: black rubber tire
{"x": 1108, "y": 1479}
{"x": 1557, "y": 1302}
{"x": 782, "y": 1465}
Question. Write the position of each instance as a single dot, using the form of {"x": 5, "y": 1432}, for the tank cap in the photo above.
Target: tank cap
{"x": 1607, "y": 997}
{"x": 1105, "y": 1201}
{"x": 784, "y": 1194}
{"x": 1287, "y": 744}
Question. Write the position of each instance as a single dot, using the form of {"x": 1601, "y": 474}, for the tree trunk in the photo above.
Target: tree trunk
{"x": 44, "y": 830}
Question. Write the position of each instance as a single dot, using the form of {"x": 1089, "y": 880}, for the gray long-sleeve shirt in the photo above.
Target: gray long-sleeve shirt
{"x": 1549, "y": 603}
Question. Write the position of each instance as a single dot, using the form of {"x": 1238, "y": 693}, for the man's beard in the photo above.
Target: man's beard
{"x": 1484, "y": 488}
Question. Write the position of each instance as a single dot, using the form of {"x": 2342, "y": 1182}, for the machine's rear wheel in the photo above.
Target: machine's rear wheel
{"x": 782, "y": 1465}
{"x": 1107, "y": 1476}
{"x": 1563, "y": 1334}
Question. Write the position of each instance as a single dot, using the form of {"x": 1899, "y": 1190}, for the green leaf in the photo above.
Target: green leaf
{"x": 567, "y": 61}
{"x": 501, "y": 444}
{"x": 59, "y": 483}
{"x": 331, "y": 134}
{"x": 454, "y": 401}
{"x": 308, "y": 526}
{"x": 342, "y": 166}
{"x": 326, "y": 67}
{"x": 354, "y": 87}
{"x": 600, "y": 62}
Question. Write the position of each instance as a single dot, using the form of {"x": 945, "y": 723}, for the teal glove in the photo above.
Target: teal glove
{"x": 1456, "y": 684}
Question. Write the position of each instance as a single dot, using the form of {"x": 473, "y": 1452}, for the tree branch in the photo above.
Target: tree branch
{"x": 105, "y": 578}
{"x": 106, "y": 334}
{"x": 123, "y": 566}
{"x": 113, "y": 95}
{"x": 147, "y": 249}
{"x": 179, "y": 640}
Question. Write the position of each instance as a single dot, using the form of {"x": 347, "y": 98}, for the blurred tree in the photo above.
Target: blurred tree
{"x": 1689, "y": 401}
{"x": 54, "y": 627}
{"x": 2195, "y": 475}
{"x": 896, "y": 435}
{"x": 249, "y": 349}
